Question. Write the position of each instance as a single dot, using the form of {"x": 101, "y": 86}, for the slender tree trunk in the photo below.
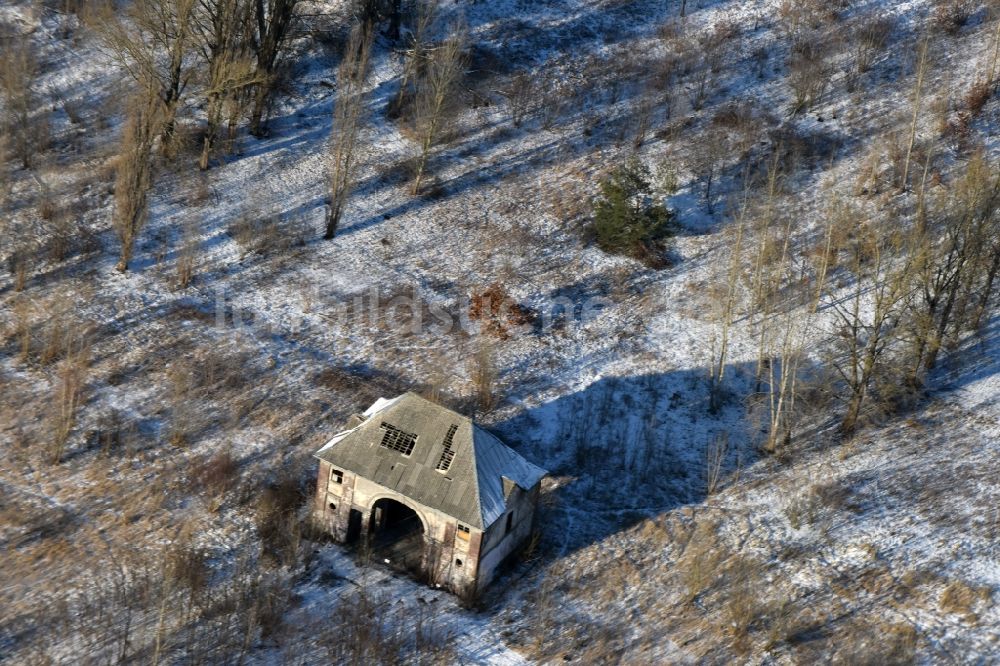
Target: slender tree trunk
{"x": 348, "y": 108}
{"x": 917, "y": 93}
{"x": 726, "y": 319}
{"x": 273, "y": 24}
{"x": 425, "y": 149}
{"x": 934, "y": 345}
{"x": 206, "y": 146}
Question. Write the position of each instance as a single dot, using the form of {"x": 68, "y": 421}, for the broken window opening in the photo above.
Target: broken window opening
{"x": 463, "y": 532}
{"x": 448, "y": 454}
{"x": 333, "y": 507}
{"x": 398, "y": 440}
{"x": 336, "y": 476}
{"x": 458, "y": 562}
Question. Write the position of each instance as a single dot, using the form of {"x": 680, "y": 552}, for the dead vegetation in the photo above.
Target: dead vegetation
{"x": 112, "y": 430}
{"x": 498, "y": 313}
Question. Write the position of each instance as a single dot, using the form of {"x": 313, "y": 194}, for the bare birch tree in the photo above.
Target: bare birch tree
{"x": 789, "y": 337}
{"x": 435, "y": 97}
{"x": 918, "y": 88}
{"x": 728, "y": 296}
{"x": 761, "y": 282}
{"x": 348, "y": 106}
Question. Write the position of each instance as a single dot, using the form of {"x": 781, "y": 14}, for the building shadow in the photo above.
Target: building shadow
{"x": 625, "y": 449}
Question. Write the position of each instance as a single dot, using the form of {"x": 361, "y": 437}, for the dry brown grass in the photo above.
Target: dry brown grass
{"x": 187, "y": 257}
{"x": 743, "y": 601}
{"x": 977, "y": 97}
{"x": 214, "y": 476}
{"x": 950, "y": 16}
{"x": 68, "y": 395}
{"x": 277, "y": 523}
{"x": 698, "y": 566}
{"x": 876, "y": 641}
{"x": 962, "y": 599}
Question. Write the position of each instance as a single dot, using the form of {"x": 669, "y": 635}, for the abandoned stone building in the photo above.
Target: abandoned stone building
{"x": 432, "y": 492}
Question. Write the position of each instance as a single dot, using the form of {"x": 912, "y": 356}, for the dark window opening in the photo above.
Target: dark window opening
{"x": 458, "y": 563}
{"x": 398, "y": 440}
{"x": 337, "y": 476}
{"x": 448, "y": 454}
{"x": 510, "y": 522}
{"x": 333, "y": 507}
{"x": 354, "y": 521}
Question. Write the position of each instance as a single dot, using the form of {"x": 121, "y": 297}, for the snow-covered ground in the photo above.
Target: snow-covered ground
{"x": 611, "y": 398}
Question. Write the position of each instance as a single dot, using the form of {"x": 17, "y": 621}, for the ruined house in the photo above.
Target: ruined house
{"x": 428, "y": 490}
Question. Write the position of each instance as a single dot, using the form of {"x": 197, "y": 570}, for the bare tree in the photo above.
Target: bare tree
{"x": 133, "y": 175}
{"x": 871, "y": 36}
{"x": 807, "y": 72}
{"x": 726, "y": 303}
{"x": 716, "y": 453}
{"x": 348, "y": 106}
{"x": 272, "y": 21}
{"x": 870, "y": 316}
{"x": 416, "y": 54}
{"x": 522, "y": 96}
{"x": 224, "y": 42}
{"x": 5, "y": 182}
{"x": 918, "y": 88}
{"x": 435, "y": 96}
{"x": 708, "y": 158}
{"x": 788, "y": 336}
{"x": 987, "y": 263}
{"x": 156, "y": 46}
{"x": 187, "y": 255}
{"x": 954, "y": 248}
{"x": 18, "y": 70}
{"x": 992, "y": 73}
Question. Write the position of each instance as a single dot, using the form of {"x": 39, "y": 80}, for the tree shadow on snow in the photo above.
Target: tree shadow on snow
{"x": 976, "y": 359}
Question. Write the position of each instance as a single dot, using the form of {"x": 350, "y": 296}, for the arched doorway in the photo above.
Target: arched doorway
{"x": 397, "y": 535}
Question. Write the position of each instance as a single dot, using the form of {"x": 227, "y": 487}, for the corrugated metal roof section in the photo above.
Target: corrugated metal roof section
{"x": 471, "y": 490}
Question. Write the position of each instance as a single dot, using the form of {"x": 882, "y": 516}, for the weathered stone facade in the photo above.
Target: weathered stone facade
{"x": 460, "y": 556}
{"x": 459, "y": 560}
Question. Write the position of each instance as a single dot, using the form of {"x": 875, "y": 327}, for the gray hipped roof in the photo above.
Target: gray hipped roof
{"x": 470, "y": 490}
